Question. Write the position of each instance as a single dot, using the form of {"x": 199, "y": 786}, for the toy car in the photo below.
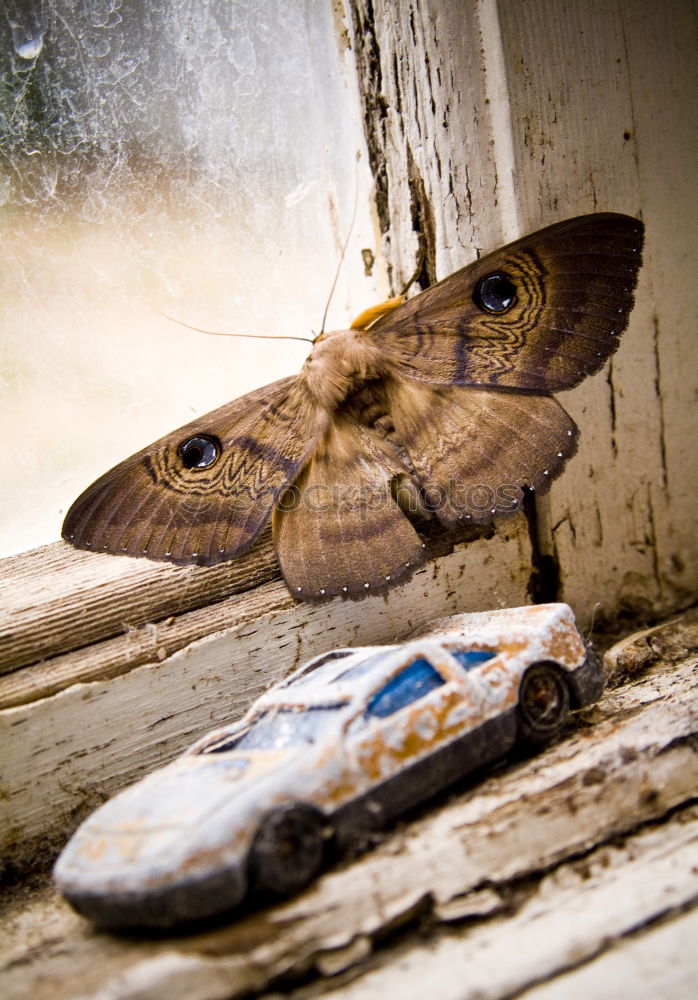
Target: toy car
{"x": 346, "y": 743}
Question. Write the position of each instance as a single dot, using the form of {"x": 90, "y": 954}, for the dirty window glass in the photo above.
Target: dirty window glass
{"x": 469, "y": 658}
{"x": 175, "y": 158}
{"x": 411, "y": 684}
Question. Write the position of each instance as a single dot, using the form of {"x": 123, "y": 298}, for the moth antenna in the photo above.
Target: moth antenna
{"x": 341, "y": 256}
{"x": 220, "y": 333}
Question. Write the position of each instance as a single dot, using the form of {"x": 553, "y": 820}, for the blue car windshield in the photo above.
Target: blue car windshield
{"x": 283, "y": 728}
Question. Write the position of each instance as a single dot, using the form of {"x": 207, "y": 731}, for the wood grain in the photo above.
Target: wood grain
{"x": 489, "y": 120}
{"x": 86, "y": 723}
{"x": 68, "y": 616}
{"x": 488, "y": 893}
{"x": 573, "y": 874}
{"x": 617, "y": 524}
{"x": 55, "y": 598}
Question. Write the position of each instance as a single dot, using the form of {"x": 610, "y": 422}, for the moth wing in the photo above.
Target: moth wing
{"x": 153, "y": 504}
{"x": 338, "y": 530}
{"x": 573, "y": 285}
{"x": 475, "y": 451}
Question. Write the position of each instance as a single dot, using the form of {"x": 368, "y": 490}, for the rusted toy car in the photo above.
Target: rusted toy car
{"x": 343, "y": 745}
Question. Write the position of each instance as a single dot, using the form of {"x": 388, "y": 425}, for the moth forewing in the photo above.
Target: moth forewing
{"x": 161, "y": 504}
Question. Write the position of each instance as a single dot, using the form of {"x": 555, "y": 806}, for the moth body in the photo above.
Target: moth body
{"x": 338, "y": 362}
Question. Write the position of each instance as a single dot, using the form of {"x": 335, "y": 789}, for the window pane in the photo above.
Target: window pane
{"x": 359, "y": 669}
{"x": 278, "y": 730}
{"x": 187, "y": 159}
{"x": 470, "y": 658}
{"x": 411, "y": 684}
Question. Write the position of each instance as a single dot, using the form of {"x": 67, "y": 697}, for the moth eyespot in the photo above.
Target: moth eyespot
{"x": 199, "y": 452}
{"x": 495, "y": 293}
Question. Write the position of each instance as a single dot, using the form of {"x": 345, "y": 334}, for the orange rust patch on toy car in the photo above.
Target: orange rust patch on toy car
{"x": 566, "y": 644}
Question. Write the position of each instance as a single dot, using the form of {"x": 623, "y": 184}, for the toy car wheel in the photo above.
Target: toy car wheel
{"x": 544, "y": 703}
{"x": 288, "y": 849}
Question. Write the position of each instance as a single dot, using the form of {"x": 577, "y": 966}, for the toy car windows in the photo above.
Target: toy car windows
{"x": 411, "y": 684}
{"x": 361, "y": 668}
{"x": 469, "y": 658}
{"x": 285, "y": 728}
{"x": 310, "y": 671}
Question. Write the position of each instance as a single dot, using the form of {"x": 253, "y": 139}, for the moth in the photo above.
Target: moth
{"x": 440, "y": 406}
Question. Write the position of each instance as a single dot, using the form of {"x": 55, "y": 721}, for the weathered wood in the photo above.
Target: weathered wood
{"x": 68, "y": 616}
{"x": 56, "y": 598}
{"x": 506, "y": 896}
{"x": 655, "y": 961}
{"x": 489, "y": 120}
{"x": 484, "y": 120}
{"x": 668, "y": 643}
{"x": 617, "y": 135}
{"x": 577, "y": 911}
{"x": 124, "y": 705}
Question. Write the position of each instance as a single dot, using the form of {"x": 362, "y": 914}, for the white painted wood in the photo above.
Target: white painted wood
{"x": 591, "y": 907}
{"x": 555, "y": 819}
{"x": 62, "y": 754}
{"x": 484, "y": 120}
{"x": 599, "y": 94}
{"x": 497, "y": 118}
{"x": 661, "y": 961}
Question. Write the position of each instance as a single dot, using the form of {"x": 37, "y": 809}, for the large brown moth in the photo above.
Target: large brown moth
{"x": 440, "y": 405}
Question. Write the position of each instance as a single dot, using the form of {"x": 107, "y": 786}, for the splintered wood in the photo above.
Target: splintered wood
{"x": 567, "y": 861}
